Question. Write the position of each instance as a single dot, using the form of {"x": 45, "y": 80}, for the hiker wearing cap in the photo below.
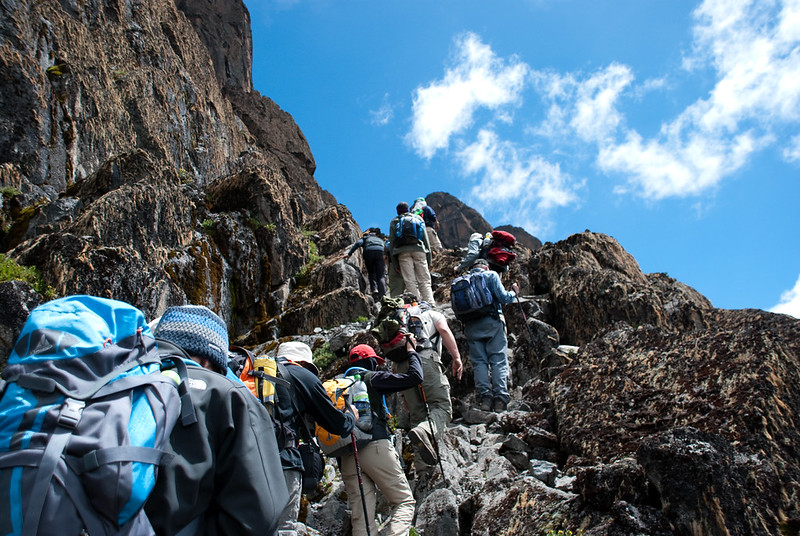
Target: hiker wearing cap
{"x": 409, "y": 245}
{"x": 223, "y": 475}
{"x": 487, "y": 342}
{"x": 429, "y": 405}
{"x": 378, "y": 461}
{"x": 421, "y": 207}
{"x": 372, "y": 242}
{"x": 306, "y": 398}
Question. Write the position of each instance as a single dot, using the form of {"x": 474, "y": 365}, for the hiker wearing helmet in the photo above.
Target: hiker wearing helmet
{"x": 410, "y": 246}
{"x": 376, "y": 466}
{"x": 224, "y": 476}
{"x": 487, "y": 341}
{"x": 372, "y": 242}
{"x": 305, "y": 397}
{"x": 422, "y": 208}
{"x": 429, "y": 405}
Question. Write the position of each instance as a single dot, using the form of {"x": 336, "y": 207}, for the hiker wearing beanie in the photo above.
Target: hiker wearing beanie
{"x": 372, "y": 242}
{"x": 378, "y": 460}
{"x": 487, "y": 342}
{"x": 306, "y": 397}
{"x": 409, "y": 246}
{"x": 223, "y": 476}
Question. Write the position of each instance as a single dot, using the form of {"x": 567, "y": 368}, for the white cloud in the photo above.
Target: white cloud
{"x": 585, "y": 107}
{"x": 383, "y": 115}
{"x": 789, "y": 302}
{"x": 754, "y": 46}
{"x": 514, "y": 178}
{"x": 791, "y": 153}
{"x": 477, "y": 78}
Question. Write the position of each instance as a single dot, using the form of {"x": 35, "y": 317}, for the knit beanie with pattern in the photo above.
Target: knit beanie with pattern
{"x": 198, "y": 330}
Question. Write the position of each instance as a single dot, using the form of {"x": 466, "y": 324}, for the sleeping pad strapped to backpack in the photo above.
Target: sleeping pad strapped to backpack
{"x": 84, "y": 417}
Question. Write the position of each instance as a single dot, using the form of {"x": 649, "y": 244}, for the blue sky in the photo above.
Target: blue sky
{"x": 671, "y": 125}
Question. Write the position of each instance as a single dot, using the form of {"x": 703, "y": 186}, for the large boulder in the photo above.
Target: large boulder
{"x": 593, "y": 282}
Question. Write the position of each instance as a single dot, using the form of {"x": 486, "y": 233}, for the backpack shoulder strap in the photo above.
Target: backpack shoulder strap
{"x": 282, "y": 369}
{"x": 172, "y": 357}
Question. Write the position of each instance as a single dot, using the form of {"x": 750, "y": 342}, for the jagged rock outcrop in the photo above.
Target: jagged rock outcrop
{"x": 224, "y": 28}
{"x": 592, "y": 282}
{"x": 456, "y": 220}
{"x": 129, "y": 164}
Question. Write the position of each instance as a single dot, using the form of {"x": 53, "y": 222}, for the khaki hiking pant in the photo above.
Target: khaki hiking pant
{"x": 417, "y": 278}
{"x": 437, "y": 393}
{"x": 380, "y": 471}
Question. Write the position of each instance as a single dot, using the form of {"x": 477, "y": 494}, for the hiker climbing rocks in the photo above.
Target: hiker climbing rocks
{"x": 429, "y": 404}
{"x": 486, "y": 337}
{"x": 224, "y": 475}
{"x": 477, "y": 243}
{"x": 377, "y": 464}
{"x": 304, "y": 397}
{"x": 497, "y": 247}
{"x": 409, "y": 245}
{"x": 372, "y": 243}
{"x": 422, "y": 208}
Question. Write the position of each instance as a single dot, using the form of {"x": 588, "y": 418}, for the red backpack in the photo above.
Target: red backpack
{"x": 500, "y": 253}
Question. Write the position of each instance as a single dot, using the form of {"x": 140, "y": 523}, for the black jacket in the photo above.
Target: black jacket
{"x": 224, "y": 470}
{"x": 381, "y": 382}
{"x": 310, "y": 398}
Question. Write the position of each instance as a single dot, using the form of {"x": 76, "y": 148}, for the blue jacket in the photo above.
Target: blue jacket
{"x": 499, "y": 293}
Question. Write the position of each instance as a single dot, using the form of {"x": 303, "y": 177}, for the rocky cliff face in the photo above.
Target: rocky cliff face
{"x": 138, "y": 163}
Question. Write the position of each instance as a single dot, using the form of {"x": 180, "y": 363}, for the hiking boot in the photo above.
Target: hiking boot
{"x": 486, "y": 403}
{"x": 423, "y": 445}
{"x": 498, "y": 406}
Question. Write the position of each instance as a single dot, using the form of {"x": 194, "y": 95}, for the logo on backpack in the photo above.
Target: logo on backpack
{"x": 409, "y": 229}
{"x": 84, "y": 419}
{"x": 470, "y": 298}
{"x": 345, "y": 391}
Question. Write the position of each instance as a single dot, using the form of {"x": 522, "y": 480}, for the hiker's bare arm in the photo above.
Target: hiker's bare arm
{"x": 449, "y": 342}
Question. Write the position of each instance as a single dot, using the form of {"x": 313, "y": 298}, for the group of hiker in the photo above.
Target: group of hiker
{"x": 242, "y": 445}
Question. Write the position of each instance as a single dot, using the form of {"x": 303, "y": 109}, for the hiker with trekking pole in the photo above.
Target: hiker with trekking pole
{"x": 429, "y": 405}
{"x": 375, "y": 465}
{"x": 477, "y": 299}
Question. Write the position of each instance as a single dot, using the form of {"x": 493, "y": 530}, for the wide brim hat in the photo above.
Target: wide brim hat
{"x": 364, "y": 351}
{"x": 298, "y": 353}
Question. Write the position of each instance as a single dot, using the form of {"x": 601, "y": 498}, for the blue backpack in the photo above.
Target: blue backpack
{"x": 470, "y": 298}
{"x": 85, "y": 415}
{"x": 410, "y": 229}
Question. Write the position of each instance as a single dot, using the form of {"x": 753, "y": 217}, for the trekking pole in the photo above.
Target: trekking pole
{"x": 525, "y": 318}
{"x": 435, "y": 441}
{"x": 360, "y": 482}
